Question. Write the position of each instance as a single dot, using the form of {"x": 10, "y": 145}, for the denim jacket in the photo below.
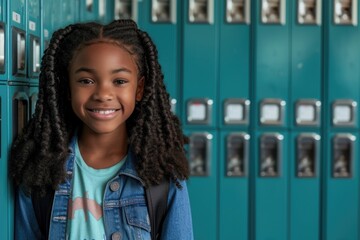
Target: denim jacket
{"x": 124, "y": 208}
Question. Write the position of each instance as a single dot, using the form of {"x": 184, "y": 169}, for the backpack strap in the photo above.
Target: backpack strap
{"x": 42, "y": 207}
{"x": 156, "y": 197}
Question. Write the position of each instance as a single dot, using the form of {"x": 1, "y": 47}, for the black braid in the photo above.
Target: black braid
{"x": 39, "y": 153}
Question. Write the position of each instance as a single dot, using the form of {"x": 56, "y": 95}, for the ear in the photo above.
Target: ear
{"x": 140, "y": 88}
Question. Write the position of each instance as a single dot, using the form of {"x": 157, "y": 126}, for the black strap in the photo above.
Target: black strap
{"x": 156, "y": 197}
{"x": 42, "y": 207}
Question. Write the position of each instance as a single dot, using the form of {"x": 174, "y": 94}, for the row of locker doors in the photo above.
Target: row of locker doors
{"x": 274, "y": 185}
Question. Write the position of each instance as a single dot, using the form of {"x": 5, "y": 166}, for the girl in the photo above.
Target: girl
{"x": 101, "y": 132}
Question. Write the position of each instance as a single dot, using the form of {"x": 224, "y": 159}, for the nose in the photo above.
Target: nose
{"x": 103, "y": 93}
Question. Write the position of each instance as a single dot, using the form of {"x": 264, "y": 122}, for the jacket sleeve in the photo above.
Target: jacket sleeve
{"x": 26, "y": 226}
{"x": 178, "y": 222}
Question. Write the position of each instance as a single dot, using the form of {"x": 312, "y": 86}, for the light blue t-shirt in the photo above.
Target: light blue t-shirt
{"x": 85, "y": 210}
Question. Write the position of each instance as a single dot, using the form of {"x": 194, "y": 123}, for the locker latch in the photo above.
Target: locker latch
{"x": 238, "y": 11}
{"x": 309, "y": 12}
{"x": 273, "y": 12}
{"x": 345, "y": 12}
{"x": 237, "y": 154}
{"x": 163, "y": 11}
{"x": 270, "y": 154}
{"x": 343, "y": 155}
{"x": 307, "y": 155}
{"x": 201, "y": 11}
{"x": 200, "y": 154}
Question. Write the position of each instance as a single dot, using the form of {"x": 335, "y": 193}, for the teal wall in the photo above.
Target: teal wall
{"x": 268, "y": 98}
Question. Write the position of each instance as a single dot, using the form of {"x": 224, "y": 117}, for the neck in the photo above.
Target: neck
{"x": 102, "y": 150}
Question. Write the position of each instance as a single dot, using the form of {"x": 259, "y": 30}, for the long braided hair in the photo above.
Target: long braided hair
{"x": 39, "y": 153}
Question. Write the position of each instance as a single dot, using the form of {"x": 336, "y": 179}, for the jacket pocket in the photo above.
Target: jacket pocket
{"x": 137, "y": 216}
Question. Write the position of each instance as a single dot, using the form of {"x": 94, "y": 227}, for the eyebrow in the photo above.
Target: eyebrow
{"x": 91, "y": 70}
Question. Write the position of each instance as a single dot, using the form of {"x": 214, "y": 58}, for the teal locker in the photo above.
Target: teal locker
{"x": 271, "y": 183}
{"x": 234, "y": 185}
{"x": 33, "y": 39}
{"x": 234, "y": 106}
{"x": 109, "y": 11}
{"x": 69, "y": 12}
{"x": 271, "y": 76}
{"x": 304, "y": 112}
{"x": 199, "y": 64}
{"x": 89, "y": 10}
{"x": 16, "y": 20}
{"x": 159, "y": 19}
{"x": 48, "y": 25}
{"x": 5, "y": 204}
{"x": 341, "y": 181}
{"x": 202, "y": 184}
{"x": 3, "y": 40}
{"x": 305, "y": 185}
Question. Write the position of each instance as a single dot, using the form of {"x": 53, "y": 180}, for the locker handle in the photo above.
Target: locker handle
{"x": 20, "y": 112}
{"x": 237, "y": 154}
{"x": 163, "y": 11}
{"x": 273, "y": 12}
{"x": 343, "y": 155}
{"x": 2, "y": 48}
{"x": 238, "y": 11}
{"x": 307, "y": 155}
{"x": 201, "y": 11}
{"x": 125, "y": 9}
{"x": 35, "y": 55}
{"x": 19, "y": 51}
{"x": 270, "y": 154}
{"x": 309, "y": 12}
{"x": 346, "y": 12}
{"x": 200, "y": 154}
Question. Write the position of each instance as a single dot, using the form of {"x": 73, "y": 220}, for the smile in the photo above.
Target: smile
{"x": 103, "y": 112}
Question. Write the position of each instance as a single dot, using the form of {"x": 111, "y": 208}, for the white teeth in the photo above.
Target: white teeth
{"x": 104, "y": 112}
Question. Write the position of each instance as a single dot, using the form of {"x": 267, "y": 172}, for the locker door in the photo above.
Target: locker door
{"x": 34, "y": 39}
{"x": 17, "y": 40}
{"x": 234, "y": 185}
{"x": 234, "y": 107}
{"x": 199, "y": 87}
{"x": 202, "y": 184}
{"x": 271, "y": 98}
{"x": 341, "y": 180}
{"x": 305, "y": 120}
{"x": 160, "y": 19}
{"x": 6, "y": 226}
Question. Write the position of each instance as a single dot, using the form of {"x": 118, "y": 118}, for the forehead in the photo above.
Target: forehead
{"x": 103, "y": 54}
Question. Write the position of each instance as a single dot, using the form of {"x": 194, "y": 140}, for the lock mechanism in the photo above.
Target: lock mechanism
{"x": 200, "y": 154}
{"x": 163, "y": 11}
{"x": 270, "y": 154}
{"x": 309, "y": 12}
{"x": 201, "y": 11}
{"x": 343, "y": 155}
{"x": 273, "y": 11}
{"x": 238, "y": 11}
{"x": 307, "y": 155}
{"x": 237, "y": 145}
{"x": 345, "y": 12}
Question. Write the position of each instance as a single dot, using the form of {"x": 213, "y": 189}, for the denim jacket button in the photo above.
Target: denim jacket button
{"x": 116, "y": 236}
{"x": 114, "y": 186}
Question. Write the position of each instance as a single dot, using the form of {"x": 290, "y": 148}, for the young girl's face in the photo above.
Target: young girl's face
{"x": 104, "y": 87}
